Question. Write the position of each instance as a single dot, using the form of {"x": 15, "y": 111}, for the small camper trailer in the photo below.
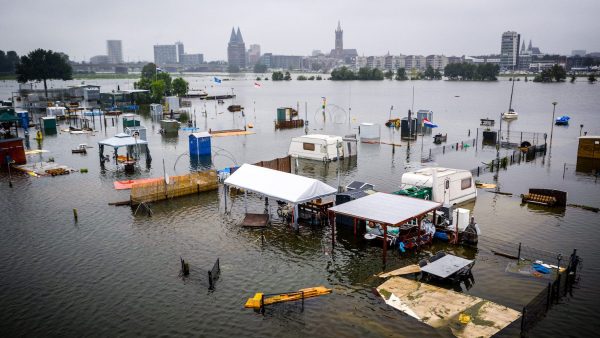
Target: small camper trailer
{"x": 447, "y": 186}
{"x": 322, "y": 147}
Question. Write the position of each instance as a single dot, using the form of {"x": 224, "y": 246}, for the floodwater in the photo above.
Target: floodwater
{"x": 117, "y": 273}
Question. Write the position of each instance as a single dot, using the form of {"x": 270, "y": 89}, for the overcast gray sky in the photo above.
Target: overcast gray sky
{"x": 80, "y": 27}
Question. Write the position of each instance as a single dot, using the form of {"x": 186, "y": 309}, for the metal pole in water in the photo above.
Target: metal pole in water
{"x": 552, "y": 127}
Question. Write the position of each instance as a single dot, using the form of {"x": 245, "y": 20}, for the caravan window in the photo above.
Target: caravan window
{"x": 308, "y": 146}
{"x": 465, "y": 183}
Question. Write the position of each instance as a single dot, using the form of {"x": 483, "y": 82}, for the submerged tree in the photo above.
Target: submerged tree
{"x": 277, "y": 76}
{"x": 43, "y": 65}
{"x": 180, "y": 86}
{"x": 401, "y": 74}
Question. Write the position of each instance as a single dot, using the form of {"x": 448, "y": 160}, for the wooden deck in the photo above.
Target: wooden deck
{"x": 255, "y": 221}
{"x": 462, "y": 314}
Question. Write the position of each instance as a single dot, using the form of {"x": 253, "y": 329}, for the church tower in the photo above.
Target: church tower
{"x": 339, "y": 41}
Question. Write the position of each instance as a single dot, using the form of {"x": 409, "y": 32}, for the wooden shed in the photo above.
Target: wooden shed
{"x": 589, "y": 147}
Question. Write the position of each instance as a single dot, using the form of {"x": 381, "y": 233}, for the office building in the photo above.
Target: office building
{"x": 114, "y": 51}
{"x": 165, "y": 55}
{"x": 509, "y": 50}
{"x": 191, "y": 59}
{"x": 236, "y": 50}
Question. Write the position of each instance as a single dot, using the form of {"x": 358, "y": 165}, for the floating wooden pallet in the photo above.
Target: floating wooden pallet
{"x": 259, "y": 300}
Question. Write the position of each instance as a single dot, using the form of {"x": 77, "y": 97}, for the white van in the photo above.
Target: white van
{"x": 448, "y": 186}
{"x": 322, "y": 147}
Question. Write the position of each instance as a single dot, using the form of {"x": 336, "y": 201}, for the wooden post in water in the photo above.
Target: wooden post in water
{"x": 75, "y": 214}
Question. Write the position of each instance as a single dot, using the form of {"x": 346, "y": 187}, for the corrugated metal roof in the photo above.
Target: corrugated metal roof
{"x": 386, "y": 208}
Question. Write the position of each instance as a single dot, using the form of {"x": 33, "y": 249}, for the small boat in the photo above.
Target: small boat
{"x": 510, "y": 115}
{"x": 82, "y": 149}
{"x": 562, "y": 121}
{"x": 439, "y": 138}
{"x": 235, "y": 108}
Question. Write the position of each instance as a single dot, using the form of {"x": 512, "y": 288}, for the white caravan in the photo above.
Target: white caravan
{"x": 448, "y": 186}
{"x": 322, "y": 147}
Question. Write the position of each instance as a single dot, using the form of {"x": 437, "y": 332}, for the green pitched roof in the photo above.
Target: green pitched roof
{"x": 7, "y": 117}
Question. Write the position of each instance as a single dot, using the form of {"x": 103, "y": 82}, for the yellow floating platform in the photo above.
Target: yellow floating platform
{"x": 255, "y": 302}
{"x": 232, "y": 133}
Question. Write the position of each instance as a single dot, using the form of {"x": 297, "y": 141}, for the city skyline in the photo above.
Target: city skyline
{"x": 422, "y": 32}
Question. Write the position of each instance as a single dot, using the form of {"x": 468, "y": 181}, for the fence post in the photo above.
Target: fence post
{"x": 210, "y": 281}
{"x": 519, "y": 255}
{"x": 549, "y": 297}
{"x": 559, "y": 258}
{"x": 478, "y": 171}
{"x": 523, "y": 320}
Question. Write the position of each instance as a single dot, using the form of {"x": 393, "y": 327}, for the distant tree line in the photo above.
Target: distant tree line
{"x": 469, "y": 71}
{"x": 364, "y": 73}
{"x": 279, "y": 76}
{"x": 8, "y": 62}
{"x": 556, "y": 73}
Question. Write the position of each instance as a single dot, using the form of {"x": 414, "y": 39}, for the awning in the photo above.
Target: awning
{"x": 278, "y": 185}
{"x": 122, "y": 140}
{"x": 386, "y": 208}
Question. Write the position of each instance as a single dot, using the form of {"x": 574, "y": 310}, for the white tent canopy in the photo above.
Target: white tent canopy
{"x": 386, "y": 208}
{"x": 122, "y": 140}
{"x": 278, "y": 185}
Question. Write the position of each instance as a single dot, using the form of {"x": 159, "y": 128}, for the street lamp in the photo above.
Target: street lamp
{"x": 552, "y": 128}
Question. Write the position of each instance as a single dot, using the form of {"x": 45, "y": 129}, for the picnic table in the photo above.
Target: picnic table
{"x": 446, "y": 266}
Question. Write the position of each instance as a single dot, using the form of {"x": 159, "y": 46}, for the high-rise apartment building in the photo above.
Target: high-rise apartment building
{"x": 114, "y": 51}
{"x": 236, "y": 50}
{"x": 180, "y": 50}
{"x": 165, "y": 54}
{"x": 253, "y": 55}
{"x": 509, "y": 50}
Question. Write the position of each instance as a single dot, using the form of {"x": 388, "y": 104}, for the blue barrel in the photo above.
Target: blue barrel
{"x": 200, "y": 144}
{"x": 23, "y": 119}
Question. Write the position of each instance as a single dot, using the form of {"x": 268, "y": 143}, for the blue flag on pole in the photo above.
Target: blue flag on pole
{"x": 216, "y": 79}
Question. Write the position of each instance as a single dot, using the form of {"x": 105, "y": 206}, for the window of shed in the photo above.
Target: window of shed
{"x": 308, "y": 146}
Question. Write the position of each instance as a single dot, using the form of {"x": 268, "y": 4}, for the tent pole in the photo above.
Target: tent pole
{"x": 384, "y": 242}
{"x": 245, "y": 201}
{"x": 296, "y": 225}
{"x": 225, "y": 196}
